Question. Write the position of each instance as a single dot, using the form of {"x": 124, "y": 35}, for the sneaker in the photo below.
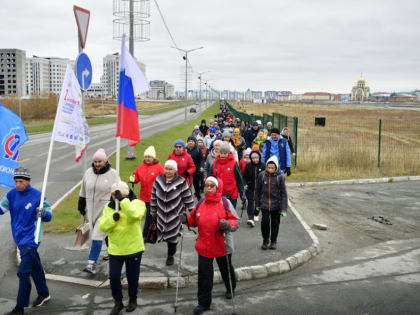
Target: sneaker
{"x": 106, "y": 257}
{"x": 16, "y": 311}
{"x": 170, "y": 261}
{"x": 273, "y": 245}
{"x": 41, "y": 299}
{"x": 264, "y": 245}
{"x": 250, "y": 223}
{"x": 256, "y": 218}
{"x": 200, "y": 309}
{"x": 90, "y": 268}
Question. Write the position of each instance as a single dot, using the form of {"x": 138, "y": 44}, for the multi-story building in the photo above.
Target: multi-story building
{"x": 58, "y": 68}
{"x": 96, "y": 90}
{"x": 316, "y": 96}
{"x": 111, "y": 73}
{"x": 161, "y": 90}
{"x": 12, "y": 72}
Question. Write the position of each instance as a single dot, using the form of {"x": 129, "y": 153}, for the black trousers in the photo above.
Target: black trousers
{"x": 197, "y": 177}
{"x": 270, "y": 221}
{"x": 205, "y": 277}
{"x": 171, "y": 249}
{"x": 147, "y": 221}
{"x": 132, "y": 267}
{"x": 251, "y": 208}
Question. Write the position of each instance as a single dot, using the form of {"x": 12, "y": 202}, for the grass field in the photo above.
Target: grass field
{"x": 66, "y": 217}
{"x": 347, "y": 147}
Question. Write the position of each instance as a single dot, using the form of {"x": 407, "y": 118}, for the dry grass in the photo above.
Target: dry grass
{"x": 347, "y": 146}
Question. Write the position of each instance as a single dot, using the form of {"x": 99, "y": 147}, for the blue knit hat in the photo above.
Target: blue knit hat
{"x": 212, "y": 129}
{"x": 179, "y": 142}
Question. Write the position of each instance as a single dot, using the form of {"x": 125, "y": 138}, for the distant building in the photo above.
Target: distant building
{"x": 316, "y": 96}
{"x": 360, "y": 91}
{"x": 96, "y": 90}
{"x": 111, "y": 73}
{"x": 161, "y": 90}
{"x": 379, "y": 97}
{"x": 403, "y": 98}
{"x": 12, "y": 72}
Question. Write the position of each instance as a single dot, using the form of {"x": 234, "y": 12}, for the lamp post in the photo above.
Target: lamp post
{"x": 200, "y": 77}
{"x": 185, "y": 57}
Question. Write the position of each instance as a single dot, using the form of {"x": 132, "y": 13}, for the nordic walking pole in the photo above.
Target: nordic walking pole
{"x": 177, "y": 278}
{"x": 230, "y": 285}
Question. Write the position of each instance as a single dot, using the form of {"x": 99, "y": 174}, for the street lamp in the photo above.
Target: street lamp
{"x": 185, "y": 57}
{"x": 200, "y": 78}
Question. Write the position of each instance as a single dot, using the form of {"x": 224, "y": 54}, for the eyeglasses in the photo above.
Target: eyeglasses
{"x": 210, "y": 185}
{"x": 178, "y": 146}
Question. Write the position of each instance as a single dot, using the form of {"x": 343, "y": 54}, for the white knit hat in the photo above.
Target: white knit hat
{"x": 213, "y": 180}
{"x": 171, "y": 164}
{"x": 121, "y": 186}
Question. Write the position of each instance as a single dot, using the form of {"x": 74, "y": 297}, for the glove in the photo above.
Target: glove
{"x": 224, "y": 225}
{"x": 118, "y": 195}
{"x": 243, "y": 196}
{"x": 283, "y": 213}
{"x": 183, "y": 218}
{"x": 201, "y": 170}
{"x": 116, "y": 216}
{"x": 81, "y": 206}
{"x": 132, "y": 179}
{"x": 186, "y": 173}
{"x": 40, "y": 212}
{"x": 245, "y": 187}
{"x": 288, "y": 171}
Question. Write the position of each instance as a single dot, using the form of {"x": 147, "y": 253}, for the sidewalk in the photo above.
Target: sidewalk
{"x": 63, "y": 262}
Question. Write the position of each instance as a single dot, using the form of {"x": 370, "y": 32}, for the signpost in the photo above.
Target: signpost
{"x": 83, "y": 65}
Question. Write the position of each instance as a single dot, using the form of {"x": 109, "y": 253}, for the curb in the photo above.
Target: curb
{"x": 356, "y": 181}
{"x": 242, "y": 273}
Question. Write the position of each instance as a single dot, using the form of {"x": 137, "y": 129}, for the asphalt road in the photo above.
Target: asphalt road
{"x": 64, "y": 172}
{"x": 357, "y": 272}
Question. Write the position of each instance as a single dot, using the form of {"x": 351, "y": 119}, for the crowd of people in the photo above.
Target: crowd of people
{"x": 221, "y": 162}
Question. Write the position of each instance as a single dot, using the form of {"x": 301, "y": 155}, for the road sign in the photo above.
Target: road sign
{"x": 84, "y": 71}
{"x": 82, "y": 19}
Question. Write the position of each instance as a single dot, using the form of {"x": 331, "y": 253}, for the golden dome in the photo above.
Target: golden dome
{"x": 362, "y": 79}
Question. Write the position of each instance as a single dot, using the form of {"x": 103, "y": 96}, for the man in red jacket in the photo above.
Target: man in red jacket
{"x": 186, "y": 167}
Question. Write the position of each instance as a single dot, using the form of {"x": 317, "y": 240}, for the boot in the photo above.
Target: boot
{"x": 117, "y": 307}
{"x": 132, "y": 304}
{"x": 170, "y": 261}
{"x": 273, "y": 245}
{"x": 264, "y": 245}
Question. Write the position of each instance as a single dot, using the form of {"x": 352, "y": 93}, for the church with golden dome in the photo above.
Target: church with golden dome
{"x": 360, "y": 91}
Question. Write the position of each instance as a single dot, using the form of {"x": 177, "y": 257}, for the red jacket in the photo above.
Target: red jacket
{"x": 225, "y": 170}
{"x": 211, "y": 241}
{"x": 242, "y": 165}
{"x": 146, "y": 175}
{"x": 185, "y": 162}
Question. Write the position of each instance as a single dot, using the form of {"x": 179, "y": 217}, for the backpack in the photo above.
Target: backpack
{"x": 224, "y": 201}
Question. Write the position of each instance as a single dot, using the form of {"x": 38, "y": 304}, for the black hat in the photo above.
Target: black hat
{"x": 275, "y": 130}
{"x": 22, "y": 173}
{"x": 203, "y": 121}
{"x": 192, "y": 138}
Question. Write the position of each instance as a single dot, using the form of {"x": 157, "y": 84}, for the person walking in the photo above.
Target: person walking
{"x": 198, "y": 158}
{"x": 125, "y": 242}
{"x": 251, "y": 172}
{"x": 271, "y": 199}
{"x": 95, "y": 192}
{"x": 211, "y": 156}
{"x": 251, "y": 134}
{"x": 285, "y": 134}
{"x": 227, "y": 137}
{"x": 238, "y": 142}
{"x": 208, "y": 139}
{"x": 23, "y": 203}
{"x": 215, "y": 219}
{"x": 171, "y": 194}
{"x": 227, "y": 169}
{"x": 145, "y": 174}
{"x": 275, "y": 145}
{"x": 203, "y": 127}
{"x": 260, "y": 139}
{"x": 185, "y": 164}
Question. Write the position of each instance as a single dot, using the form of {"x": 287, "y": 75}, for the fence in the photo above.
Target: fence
{"x": 355, "y": 142}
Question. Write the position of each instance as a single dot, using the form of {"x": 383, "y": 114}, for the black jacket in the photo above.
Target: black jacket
{"x": 203, "y": 130}
{"x": 251, "y": 173}
{"x": 290, "y": 142}
{"x": 197, "y": 156}
{"x": 271, "y": 192}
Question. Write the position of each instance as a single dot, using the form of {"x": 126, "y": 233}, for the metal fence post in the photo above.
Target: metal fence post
{"x": 379, "y": 143}
{"x": 295, "y": 124}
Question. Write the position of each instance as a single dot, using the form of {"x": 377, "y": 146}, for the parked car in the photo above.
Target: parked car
{"x": 193, "y": 110}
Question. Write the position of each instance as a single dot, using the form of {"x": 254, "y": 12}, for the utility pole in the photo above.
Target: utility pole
{"x": 185, "y": 57}
{"x": 200, "y": 77}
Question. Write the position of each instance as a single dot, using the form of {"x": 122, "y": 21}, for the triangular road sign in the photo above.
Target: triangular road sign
{"x": 82, "y": 20}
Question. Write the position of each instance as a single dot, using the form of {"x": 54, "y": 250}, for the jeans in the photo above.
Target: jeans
{"x": 95, "y": 251}
{"x": 270, "y": 221}
{"x": 205, "y": 277}
{"x": 251, "y": 208}
{"x": 30, "y": 266}
{"x": 147, "y": 221}
{"x": 132, "y": 267}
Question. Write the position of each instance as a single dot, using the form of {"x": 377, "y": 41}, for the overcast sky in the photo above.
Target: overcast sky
{"x": 297, "y": 45}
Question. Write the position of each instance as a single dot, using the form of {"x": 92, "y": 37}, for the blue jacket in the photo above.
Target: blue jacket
{"x": 280, "y": 148}
{"x": 22, "y": 207}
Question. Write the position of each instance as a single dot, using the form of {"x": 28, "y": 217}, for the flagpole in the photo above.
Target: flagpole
{"x": 44, "y": 185}
{"x": 118, "y": 170}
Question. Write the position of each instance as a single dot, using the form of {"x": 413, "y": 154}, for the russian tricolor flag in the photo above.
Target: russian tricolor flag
{"x": 132, "y": 83}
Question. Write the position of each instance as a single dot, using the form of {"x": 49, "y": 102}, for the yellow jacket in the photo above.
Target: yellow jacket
{"x": 125, "y": 235}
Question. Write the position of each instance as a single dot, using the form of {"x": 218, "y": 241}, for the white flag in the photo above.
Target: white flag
{"x": 70, "y": 125}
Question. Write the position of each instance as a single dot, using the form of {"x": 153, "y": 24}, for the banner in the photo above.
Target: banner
{"x": 70, "y": 125}
{"x": 12, "y": 137}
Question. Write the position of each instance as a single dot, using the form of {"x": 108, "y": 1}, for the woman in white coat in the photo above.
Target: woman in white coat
{"x": 95, "y": 192}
